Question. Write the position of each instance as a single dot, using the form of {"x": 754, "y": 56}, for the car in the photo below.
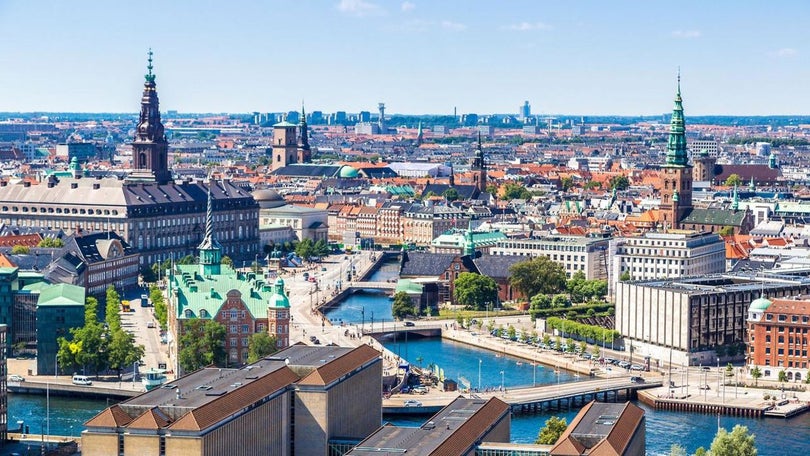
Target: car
{"x": 637, "y": 379}
{"x": 704, "y": 387}
{"x": 323, "y": 269}
{"x": 420, "y": 389}
{"x": 637, "y": 367}
{"x": 706, "y": 368}
{"x": 81, "y": 380}
{"x": 312, "y": 338}
{"x": 16, "y": 378}
{"x": 409, "y": 323}
{"x": 412, "y": 403}
{"x": 150, "y": 324}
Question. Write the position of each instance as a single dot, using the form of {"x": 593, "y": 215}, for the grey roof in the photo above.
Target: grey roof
{"x": 465, "y": 192}
{"x": 714, "y": 217}
{"x": 497, "y": 266}
{"x": 307, "y": 170}
{"x": 424, "y": 264}
{"x": 92, "y": 247}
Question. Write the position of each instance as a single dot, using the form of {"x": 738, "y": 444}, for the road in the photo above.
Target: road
{"x": 137, "y": 322}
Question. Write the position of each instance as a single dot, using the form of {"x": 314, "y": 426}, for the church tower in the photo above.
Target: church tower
{"x": 304, "y": 150}
{"x": 676, "y": 173}
{"x": 210, "y": 249}
{"x": 479, "y": 168}
{"x": 285, "y": 145}
{"x": 150, "y": 150}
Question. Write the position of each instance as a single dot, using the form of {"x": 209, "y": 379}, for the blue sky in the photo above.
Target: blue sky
{"x": 565, "y": 57}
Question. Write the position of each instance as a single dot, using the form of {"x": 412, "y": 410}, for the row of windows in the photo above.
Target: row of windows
{"x": 782, "y": 317}
{"x": 59, "y": 210}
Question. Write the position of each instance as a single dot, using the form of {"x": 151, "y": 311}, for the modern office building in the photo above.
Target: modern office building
{"x": 695, "y": 320}
{"x": 667, "y": 255}
{"x": 589, "y": 255}
{"x": 604, "y": 429}
{"x": 699, "y": 146}
{"x": 300, "y": 401}
{"x": 456, "y": 430}
{"x": 59, "y": 308}
{"x": 778, "y": 338}
{"x": 81, "y": 151}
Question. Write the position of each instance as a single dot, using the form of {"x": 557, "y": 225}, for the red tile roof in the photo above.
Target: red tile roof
{"x": 113, "y": 416}
{"x": 340, "y": 366}
{"x": 473, "y": 429}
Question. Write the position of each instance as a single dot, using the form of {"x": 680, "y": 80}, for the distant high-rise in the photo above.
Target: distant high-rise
{"x": 381, "y": 122}
{"x": 525, "y": 111}
{"x": 150, "y": 149}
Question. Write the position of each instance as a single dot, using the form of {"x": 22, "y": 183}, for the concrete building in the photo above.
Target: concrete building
{"x": 456, "y": 430}
{"x": 588, "y": 255}
{"x": 778, "y": 338}
{"x": 692, "y": 320}
{"x": 275, "y": 213}
{"x": 300, "y": 401}
{"x": 669, "y": 255}
{"x": 82, "y": 151}
{"x": 699, "y": 146}
{"x": 604, "y": 429}
{"x": 59, "y": 308}
{"x": 423, "y": 224}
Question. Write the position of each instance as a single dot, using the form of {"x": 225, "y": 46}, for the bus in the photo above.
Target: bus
{"x": 125, "y": 306}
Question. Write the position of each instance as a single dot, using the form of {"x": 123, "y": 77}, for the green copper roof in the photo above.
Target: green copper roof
{"x": 279, "y": 299}
{"x": 61, "y": 295}
{"x": 347, "y": 172}
{"x": 676, "y": 145}
{"x": 409, "y": 286}
{"x": 195, "y": 292}
{"x": 714, "y": 217}
{"x": 759, "y": 305}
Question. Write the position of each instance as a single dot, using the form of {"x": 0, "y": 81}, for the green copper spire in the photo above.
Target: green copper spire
{"x": 210, "y": 249}
{"x": 735, "y": 200}
{"x": 279, "y": 299}
{"x": 676, "y": 145}
{"x": 149, "y": 76}
{"x": 772, "y": 161}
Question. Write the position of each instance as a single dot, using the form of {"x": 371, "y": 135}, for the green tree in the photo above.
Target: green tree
{"x": 677, "y": 450}
{"x": 513, "y": 190}
{"x": 566, "y": 183}
{"x": 738, "y": 442}
{"x": 733, "y": 180}
{"x": 546, "y": 339}
{"x": 305, "y": 249}
{"x": 726, "y": 231}
{"x": 625, "y": 277}
{"x": 226, "y": 260}
{"x": 111, "y": 315}
{"x": 402, "y": 305}
{"x": 51, "y": 242}
{"x": 475, "y": 291}
{"x": 620, "y": 182}
{"x": 188, "y": 259}
{"x": 756, "y": 373}
{"x": 202, "y": 344}
{"x": 538, "y": 302}
{"x": 490, "y": 325}
{"x": 261, "y": 344}
{"x": 320, "y": 249}
{"x": 551, "y": 432}
{"x": 560, "y": 301}
{"x": 161, "y": 309}
{"x": 122, "y": 350}
{"x": 451, "y": 194}
{"x": 537, "y": 276}
{"x": 511, "y": 332}
{"x": 782, "y": 376}
{"x": 20, "y": 250}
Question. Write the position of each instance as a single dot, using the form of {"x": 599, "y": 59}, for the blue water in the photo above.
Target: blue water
{"x": 373, "y": 303}
{"x": 460, "y": 360}
{"x": 67, "y": 416}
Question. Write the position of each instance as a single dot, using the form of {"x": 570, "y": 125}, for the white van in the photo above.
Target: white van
{"x": 81, "y": 380}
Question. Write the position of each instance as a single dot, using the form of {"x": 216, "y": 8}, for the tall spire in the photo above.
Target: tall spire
{"x": 150, "y": 147}
{"x": 210, "y": 249}
{"x": 676, "y": 145}
{"x": 735, "y": 200}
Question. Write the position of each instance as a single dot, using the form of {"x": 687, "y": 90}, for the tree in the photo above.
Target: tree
{"x": 226, "y": 260}
{"x": 538, "y": 302}
{"x": 161, "y": 309}
{"x": 320, "y": 249}
{"x": 122, "y": 350}
{"x": 537, "y": 276}
{"x": 551, "y": 432}
{"x": 566, "y": 183}
{"x": 514, "y": 190}
{"x": 50, "y": 242}
{"x": 20, "y": 250}
{"x": 726, "y": 231}
{"x": 782, "y": 376}
{"x": 756, "y": 373}
{"x": 188, "y": 259}
{"x": 738, "y": 442}
{"x": 677, "y": 450}
{"x": 560, "y": 301}
{"x": 261, "y": 344}
{"x": 511, "y": 332}
{"x": 475, "y": 291}
{"x": 733, "y": 180}
{"x": 111, "y": 310}
{"x": 620, "y": 182}
{"x": 451, "y": 194}
{"x": 402, "y": 305}
{"x": 625, "y": 276}
{"x": 202, "y": 344}
{"x": 305, "y": 249}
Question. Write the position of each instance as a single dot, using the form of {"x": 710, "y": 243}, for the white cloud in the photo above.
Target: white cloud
{"x": 358, "y": 8}
{"x": 407, "y": 6}
{"x": 686, "y": 34}
{"x": 455, "y": 26}
{"x": 527, "y": 26}
{"x": 786, "y": 52}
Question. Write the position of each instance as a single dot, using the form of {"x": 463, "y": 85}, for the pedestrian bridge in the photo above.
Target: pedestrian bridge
{"x": 381, "y": 330}
{"x": 373, "y": 285}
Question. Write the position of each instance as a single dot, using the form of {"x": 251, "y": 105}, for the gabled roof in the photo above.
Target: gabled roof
{"x": 150, "y": 419}
{"x": 61, "y": 295}
{"x": 473, "y": 429}
{"x": 424, "y": 264}
{"x": 113, "y": 416}
{"x": 497, "y": 266}
{"x": 333, "y": 370}
{"x": 207, "y": 415}
{"x": 600, "y": 429}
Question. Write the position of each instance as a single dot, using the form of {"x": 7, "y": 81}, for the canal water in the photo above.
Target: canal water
{"x": 369, "y": 306}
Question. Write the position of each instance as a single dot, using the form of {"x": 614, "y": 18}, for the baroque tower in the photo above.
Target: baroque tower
{"x": 285, "y": 145}
{"x": 210, "y": 249}
{"x": 676, "y": 173}
{"x": 304, "y": 150}
{"x": 150, "y": 150}
{"x": 479, "y": 168}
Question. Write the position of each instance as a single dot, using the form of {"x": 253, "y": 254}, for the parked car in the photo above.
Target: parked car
{"x": 637, "y": 379}
{"x": 412, "y": 403}
{"x": 420, "y": 389}
{"x": 16, "y": 378}
{"x": 637, "y": 367}
{"x": 409, "y": 323}
{"x": 150, "y": 324}
{"x": 81, "y": 380}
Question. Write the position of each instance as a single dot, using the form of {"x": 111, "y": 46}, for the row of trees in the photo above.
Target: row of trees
{"x": 203, "y": 344}
{"x": 99, "y": 346}
{"x": 581, "y": 330}
{"x": 308, "y": 249}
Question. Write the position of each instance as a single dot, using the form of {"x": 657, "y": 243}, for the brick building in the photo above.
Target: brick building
{"x": 778, "y": 338}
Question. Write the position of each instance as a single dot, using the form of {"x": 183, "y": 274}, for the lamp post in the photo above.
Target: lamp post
{"x": 501, "y": 381}
{"x": 56, "y": 365}
{"x": 480, "y": 361}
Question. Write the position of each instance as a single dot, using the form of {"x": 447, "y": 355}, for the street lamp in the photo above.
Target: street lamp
{"x": 501, "y": 381}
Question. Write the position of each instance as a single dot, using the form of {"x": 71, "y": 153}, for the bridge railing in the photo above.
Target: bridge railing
{"x": 390, "y": 327}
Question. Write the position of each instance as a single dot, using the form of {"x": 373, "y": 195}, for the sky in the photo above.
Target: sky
{"x": 417, "y": 56}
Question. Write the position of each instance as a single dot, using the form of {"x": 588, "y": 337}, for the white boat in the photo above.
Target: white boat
{"x": 153, "y": 378}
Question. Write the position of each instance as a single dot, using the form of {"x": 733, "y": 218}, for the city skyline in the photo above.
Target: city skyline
{"x": 417, "y": 57}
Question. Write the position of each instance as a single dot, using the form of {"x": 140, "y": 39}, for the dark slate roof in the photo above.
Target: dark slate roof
{"x": 714, "y": 217}
{"x": 66, "y": 269}
{"x": 465, "y": 192}
{"x": 33, "y": 261}
{"x": 87, "y": 246}
{"x": 497, "y": 266}
{"x": 423, "y": 264}
{"x": 304, "y": 170}
{"x": 377, "y": 172}
{"x": 762, "y": 174}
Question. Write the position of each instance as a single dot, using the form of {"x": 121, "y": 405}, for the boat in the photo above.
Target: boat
{"x": 153, "y": 378}
{"x": 519, "y": 363}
